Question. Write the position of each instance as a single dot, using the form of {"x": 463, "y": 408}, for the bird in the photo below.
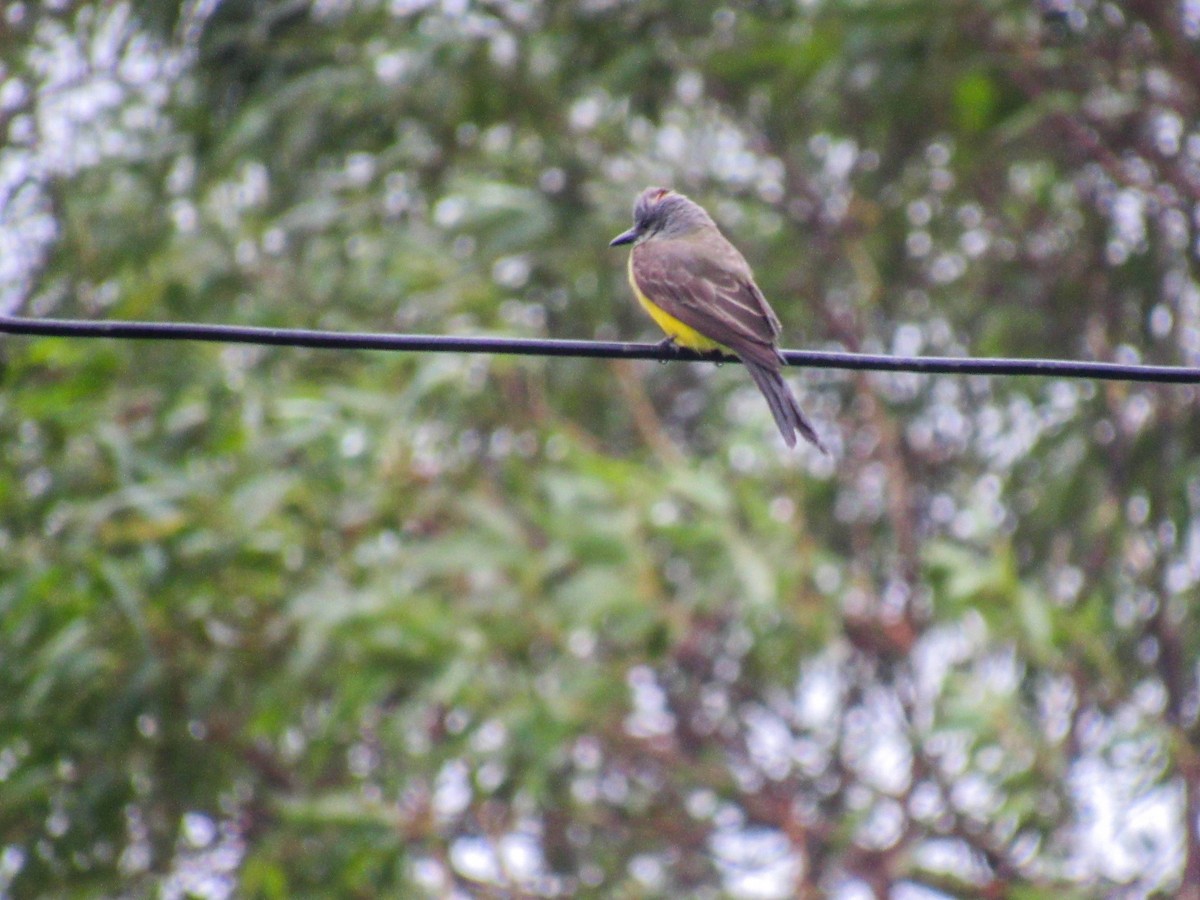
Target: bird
{"x": 700, "y": 290}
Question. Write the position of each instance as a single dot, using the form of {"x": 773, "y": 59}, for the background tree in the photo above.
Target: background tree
{"x": 283, "y": 622}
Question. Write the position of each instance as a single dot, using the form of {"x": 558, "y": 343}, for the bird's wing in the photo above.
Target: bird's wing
{"x": 705, "y": 283}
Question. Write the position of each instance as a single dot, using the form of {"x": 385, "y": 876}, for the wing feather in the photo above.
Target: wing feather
{"x": 705, "y": 283}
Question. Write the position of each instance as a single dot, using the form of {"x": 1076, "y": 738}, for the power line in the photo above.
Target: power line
{"x": 432, "y": 343}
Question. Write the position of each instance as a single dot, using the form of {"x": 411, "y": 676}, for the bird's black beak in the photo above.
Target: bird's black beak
{"x": 626, "y": 237}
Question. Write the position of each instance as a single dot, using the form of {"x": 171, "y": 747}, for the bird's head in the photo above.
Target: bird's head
{"x": 662, "y": 212}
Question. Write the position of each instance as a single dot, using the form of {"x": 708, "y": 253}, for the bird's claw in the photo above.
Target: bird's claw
{"x": 668, "y": 343}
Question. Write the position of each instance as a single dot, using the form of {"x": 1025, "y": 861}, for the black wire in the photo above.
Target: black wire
{"x": 432, "y": 343}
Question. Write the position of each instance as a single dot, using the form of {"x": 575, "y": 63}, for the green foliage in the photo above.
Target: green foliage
{"x": 282, "y": 623}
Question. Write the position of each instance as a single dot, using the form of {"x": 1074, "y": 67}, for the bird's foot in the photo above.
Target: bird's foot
{"x": 668, "y": 344}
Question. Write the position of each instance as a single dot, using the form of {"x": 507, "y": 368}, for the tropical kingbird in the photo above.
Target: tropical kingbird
{"x": 701, "y": 292}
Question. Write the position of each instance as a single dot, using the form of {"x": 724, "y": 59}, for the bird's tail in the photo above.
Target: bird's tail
{"x": 784, "y": 407}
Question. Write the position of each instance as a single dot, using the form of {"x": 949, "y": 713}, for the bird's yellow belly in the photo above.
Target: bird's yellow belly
{"x": 681, "y": 334}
